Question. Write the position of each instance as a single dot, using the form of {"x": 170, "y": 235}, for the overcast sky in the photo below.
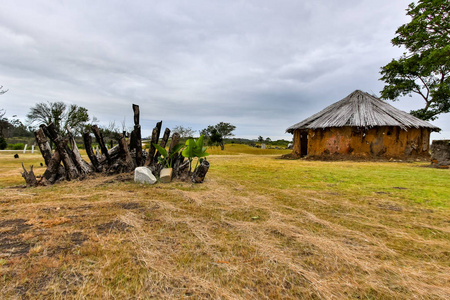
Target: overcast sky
{"x": 259, "y": 65}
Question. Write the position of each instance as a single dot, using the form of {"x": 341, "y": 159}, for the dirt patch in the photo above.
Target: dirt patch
{"x": 129, "y": 205}
{"x": 17, "y": 226}
{"x": 115, "y": 225}
{"x": 10, "y": 243}
{"x": 13, "y": 247}
{"x": 78, "y": 238}
{"x": 118, "y": 178}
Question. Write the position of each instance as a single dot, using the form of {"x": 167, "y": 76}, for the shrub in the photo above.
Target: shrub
{"x": 18, "y": 146}
{"x": 3, "y": 143}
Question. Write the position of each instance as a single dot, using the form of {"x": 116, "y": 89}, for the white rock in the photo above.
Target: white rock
{"x": 144, "y": 175}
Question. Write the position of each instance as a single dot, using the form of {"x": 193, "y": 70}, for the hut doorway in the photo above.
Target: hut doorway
{"x": 303, "y": 144}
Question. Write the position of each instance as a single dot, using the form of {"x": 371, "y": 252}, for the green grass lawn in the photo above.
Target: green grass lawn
{"x": 258, "y": 228}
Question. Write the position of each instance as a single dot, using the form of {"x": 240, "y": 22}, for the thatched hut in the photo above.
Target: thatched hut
{"x": 362, "y": 125}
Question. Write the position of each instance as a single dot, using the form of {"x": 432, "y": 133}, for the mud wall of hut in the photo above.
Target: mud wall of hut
{"x": 378, "y": 141}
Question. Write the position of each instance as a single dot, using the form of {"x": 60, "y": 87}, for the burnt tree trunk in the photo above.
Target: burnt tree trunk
{"x": 43, "y": 145}
{"x": 55, "y": 171}
{"x": 200, "y": 172}
{"x": 155, "y": 138}
{"x": 61, "y": 145}
{"x": 163, "y": 143}
{"x": 139, "y": 158}
{"x": 90, "y": 152}
{"x": 83, "y": 167}
{"x": 125, "y": 156}
{"x": 136, "y": 114}
{"x": 30, "y": 178}
{"x": 43, "y": 127}
{"x": 99, "y": 137}
{"x": 183, "y": 170}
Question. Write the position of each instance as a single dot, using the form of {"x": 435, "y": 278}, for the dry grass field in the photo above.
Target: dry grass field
{"x": 257, "y": 228}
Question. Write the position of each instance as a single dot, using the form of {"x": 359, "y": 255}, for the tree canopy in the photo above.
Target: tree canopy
{"x": 184, "y": 132}
{"x": 60, "y": 115}
{"x": 425, "y": 67}
{"x": 217, "y": 133}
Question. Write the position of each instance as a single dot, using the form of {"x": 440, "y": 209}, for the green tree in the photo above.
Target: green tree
{"x": 61, "y": 115}
{"x": 260, "y": 139}
{"x": 3, "y": 143}
{"x": 184, "y": 132}
{"x": 4, "y": 123}
{"x": 425, "y": 67}
{"x": 218, "y": 133}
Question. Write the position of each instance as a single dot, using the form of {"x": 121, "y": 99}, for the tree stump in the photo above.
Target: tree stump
{"x": 30, "y": 178}
{"x": 43, "y": 145}
{"x": 199, "y": 174}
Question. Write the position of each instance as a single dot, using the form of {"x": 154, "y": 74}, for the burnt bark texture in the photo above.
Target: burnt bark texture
{"x": 65, "y": 153}
{"x": 99, "y": 137}
{"x": 43, "y": 145}
{"x": 127, "y": 162}
{"x": 163, "y": 143}
{"x": 29, "y": 177}
{"x": 137, "y": 144}
{"x": 55, "y": 172}
{"x": 90, "y": 152}
{"x": 155, "y": 138}
{"x": 83, "y": 167}
{"x": 200, "y": 172}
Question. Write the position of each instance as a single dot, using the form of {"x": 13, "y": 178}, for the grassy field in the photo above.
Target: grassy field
{"x": 258, "y": 228}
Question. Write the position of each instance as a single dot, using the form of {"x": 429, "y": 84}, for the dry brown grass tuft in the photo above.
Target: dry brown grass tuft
{"x": 257, "y": 228}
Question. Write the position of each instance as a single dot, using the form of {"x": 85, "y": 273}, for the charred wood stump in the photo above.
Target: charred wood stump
{"x": 163, "y": 143}
{"x": 43, "y": 127}
{"x": 136, "y": 114}
{"x": 30, "y": 178}
{"x": 127, "y": 161}
{"x": 200, "y": 172}
{"x": 136, "y": 143}
{"x": 155, "y": 138}
{"x": 175, "y": 140}
{"x": 99, "y": 137}
{"x": 182, "y": 172}
{"x": 55, "y": 171}
{"x": 90, "y": 152}
{"x": 43, "y": 145}
{"x": 83, "y": 167}
{"x": 66, "y": 157}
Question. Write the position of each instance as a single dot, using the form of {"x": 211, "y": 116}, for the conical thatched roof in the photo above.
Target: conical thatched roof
{"x": 360, "y": 109}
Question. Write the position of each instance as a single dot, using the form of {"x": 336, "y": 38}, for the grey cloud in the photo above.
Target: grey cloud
{"x": 257, "y": 64}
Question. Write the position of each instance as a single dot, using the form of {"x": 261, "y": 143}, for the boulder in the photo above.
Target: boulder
{"x": 144, "y": 175}
{"x": 440, "y": 154}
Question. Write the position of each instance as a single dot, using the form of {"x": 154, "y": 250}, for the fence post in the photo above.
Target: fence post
{"x": 32, "y": 149}
{"x": 25, "y": 148}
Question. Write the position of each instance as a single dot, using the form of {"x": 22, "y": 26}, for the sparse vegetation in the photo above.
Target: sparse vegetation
{"x": 258, "y": 227}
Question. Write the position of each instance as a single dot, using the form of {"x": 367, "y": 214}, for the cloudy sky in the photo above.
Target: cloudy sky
{"x": 260, "y": 65}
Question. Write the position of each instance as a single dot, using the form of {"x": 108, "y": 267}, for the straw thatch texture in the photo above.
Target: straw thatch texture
{"x": 361, "y": 109}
